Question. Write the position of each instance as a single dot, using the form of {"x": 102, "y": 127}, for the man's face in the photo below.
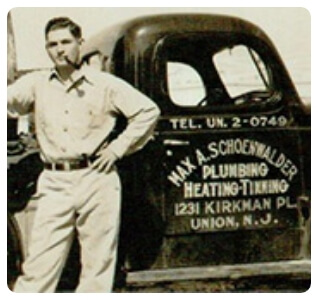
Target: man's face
{"x": 60, "y": 43}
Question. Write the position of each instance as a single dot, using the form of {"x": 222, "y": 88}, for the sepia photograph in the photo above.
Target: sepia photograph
{"x": 159, "y": 150}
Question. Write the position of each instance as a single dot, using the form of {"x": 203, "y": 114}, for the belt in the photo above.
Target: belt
{"x": 69, "y": 165}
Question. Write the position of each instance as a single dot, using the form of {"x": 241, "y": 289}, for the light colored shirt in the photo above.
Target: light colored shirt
{"x": 72, "y": 120}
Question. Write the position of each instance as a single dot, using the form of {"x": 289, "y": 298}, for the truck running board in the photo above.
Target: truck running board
{"x": 294, "y": 267}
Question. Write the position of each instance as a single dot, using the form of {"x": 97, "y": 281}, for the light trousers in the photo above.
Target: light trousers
{"x": 83, "y": 200}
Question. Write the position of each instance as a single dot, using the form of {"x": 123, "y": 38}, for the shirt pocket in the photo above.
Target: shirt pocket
{"x": 96, "y": 117}
{"x": 92, "y": 115}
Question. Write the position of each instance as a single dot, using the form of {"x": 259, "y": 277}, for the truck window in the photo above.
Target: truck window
{"x": 241, "y": 70}
{"x": 211, "y": 72}
{"x": 185, "y": 85}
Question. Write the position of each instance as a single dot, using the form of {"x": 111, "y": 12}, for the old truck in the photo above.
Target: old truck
{"x": 223, "y": 189}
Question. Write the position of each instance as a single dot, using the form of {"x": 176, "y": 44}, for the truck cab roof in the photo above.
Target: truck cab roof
{"x": 152, "y": 28}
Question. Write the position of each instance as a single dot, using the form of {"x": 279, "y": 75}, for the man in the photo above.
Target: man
{"x": 75, "y": 110}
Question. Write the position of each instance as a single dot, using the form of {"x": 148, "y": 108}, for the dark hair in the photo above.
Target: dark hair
{"x": 63, "y": 22}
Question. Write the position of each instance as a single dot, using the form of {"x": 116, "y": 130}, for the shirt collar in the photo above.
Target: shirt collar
{"x": 78, "y": 75}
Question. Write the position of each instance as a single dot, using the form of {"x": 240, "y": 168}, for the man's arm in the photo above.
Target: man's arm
{"x": 20, "y": 96}
{"x": 142, "y": 115}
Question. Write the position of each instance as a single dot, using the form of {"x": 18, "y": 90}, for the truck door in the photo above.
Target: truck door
{"x": 231, "y": 170}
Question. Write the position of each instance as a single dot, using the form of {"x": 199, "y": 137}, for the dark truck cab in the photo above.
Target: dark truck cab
{"x": 223, "y": 189}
